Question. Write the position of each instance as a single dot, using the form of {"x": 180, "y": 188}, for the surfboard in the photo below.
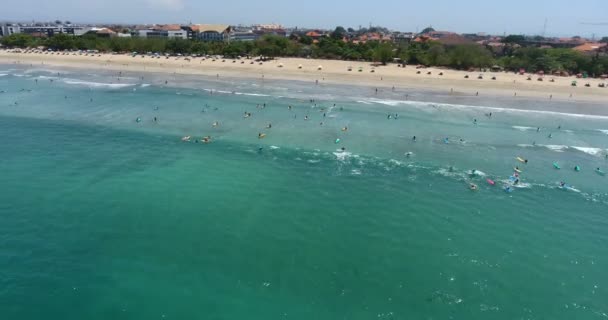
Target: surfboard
{"x": 556, "y": 166}
{"x": 491, "y": 182}
{"x": 520, "y": 159}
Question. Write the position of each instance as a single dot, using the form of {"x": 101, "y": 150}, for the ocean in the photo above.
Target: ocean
{"x": 106, "y": 213}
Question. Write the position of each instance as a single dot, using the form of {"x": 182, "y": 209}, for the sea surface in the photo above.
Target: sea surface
{"x": 106, "y": 213}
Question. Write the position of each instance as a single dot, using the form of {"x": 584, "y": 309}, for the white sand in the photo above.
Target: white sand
{"x": 332, "y": 71}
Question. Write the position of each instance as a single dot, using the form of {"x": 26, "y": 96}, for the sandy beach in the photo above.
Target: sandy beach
{"x": 329, "y": 71}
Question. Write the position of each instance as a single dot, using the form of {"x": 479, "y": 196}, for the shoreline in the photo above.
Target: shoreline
{"x": 332, "y": 72}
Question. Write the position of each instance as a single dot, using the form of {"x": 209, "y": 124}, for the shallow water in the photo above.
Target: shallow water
{"x": 104, "y": 216}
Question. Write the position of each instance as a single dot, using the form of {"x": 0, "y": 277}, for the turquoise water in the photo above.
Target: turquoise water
{"x": 106, "y": 217}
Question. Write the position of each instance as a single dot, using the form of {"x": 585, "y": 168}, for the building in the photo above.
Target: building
{"x": 592, "y": 48}
{"x": 172, "y": 31}
{"x": 211, "y": 32}
{"x": 39, "y": 30}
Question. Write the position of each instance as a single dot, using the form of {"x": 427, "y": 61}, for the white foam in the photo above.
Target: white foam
{"x": 355, "y": 172}
{"x": 603, "y": 131}
{"x": 97, "y": 84}
{"x": 274, "y": 147}
{"x": 521, "y": 128}
{"x": 587, "y": 150}
{"x": 526, "y": 145}
{"x": 556, "y": 148}
{"x": 144, "y": 85}
{"x": 342, "y": 155}
{"x": 423, "y": 104}
{"x": 239, "y": 93}
{"x": 3, "y": 74}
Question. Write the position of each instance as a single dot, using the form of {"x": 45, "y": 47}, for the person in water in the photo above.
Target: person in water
{"x": 474, "y": 121}
{"x": 550, "y": 135}
{"x": 473, "y": 187}
{"x": 414, "y": 138}
{"x": 562, "y": 184}
{"x": 345, "y": 129}
{"x": 269, "y": 126}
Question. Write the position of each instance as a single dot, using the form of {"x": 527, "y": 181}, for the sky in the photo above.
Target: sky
{"x": 564, "y": 17}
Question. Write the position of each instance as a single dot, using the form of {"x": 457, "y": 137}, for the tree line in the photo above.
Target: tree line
{"x": 511, "y": 57}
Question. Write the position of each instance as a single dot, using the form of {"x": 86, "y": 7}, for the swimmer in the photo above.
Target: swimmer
{"x": 451, "y": 169}
{"x": 269, "y": 126}
{"x": 261, "y": 135}
{"x": 155, "y": 108}
{"x": 320, "y": 123}
{"x": 408, "y": 154}
{"x": 474, "y": 121}
{"x": 343, "y": 149}
{"x": 538, "y": 129}
{"x": 155, "y": 120}
{"x": 559, "y": 127}
{"x": 446, "y": 140}
{"x": 389, "y": 116}
{"x": 414, "y": 138}
{"x": 138, "y": 120}
{"x": 215, "y": 124}
{"x": 289, "y": 107}
{"x": 562, "y": 184}
{"x": 305, "y": 117}
{"x": 324, "y": 115}
{"x": 550, "y": 136}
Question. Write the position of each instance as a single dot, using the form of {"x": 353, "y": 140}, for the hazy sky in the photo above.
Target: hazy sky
{"x": 514, "y": 16}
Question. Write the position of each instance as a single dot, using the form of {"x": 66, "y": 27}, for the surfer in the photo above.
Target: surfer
{"x": 473, "y": 187}
{"x": 206, "y": 139}
{"x": 562, "y": 184}
{"x": 261, "y": 135}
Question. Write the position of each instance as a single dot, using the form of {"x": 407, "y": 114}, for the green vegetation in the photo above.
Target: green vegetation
{"x": 511, "y": 57}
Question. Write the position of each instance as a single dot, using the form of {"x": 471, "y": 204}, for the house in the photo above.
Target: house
{"x": 314, "y": 34}
{"x": 592, "y": 48}
{"x": 105, "y": 33}
{"x": 212, "y": 32}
